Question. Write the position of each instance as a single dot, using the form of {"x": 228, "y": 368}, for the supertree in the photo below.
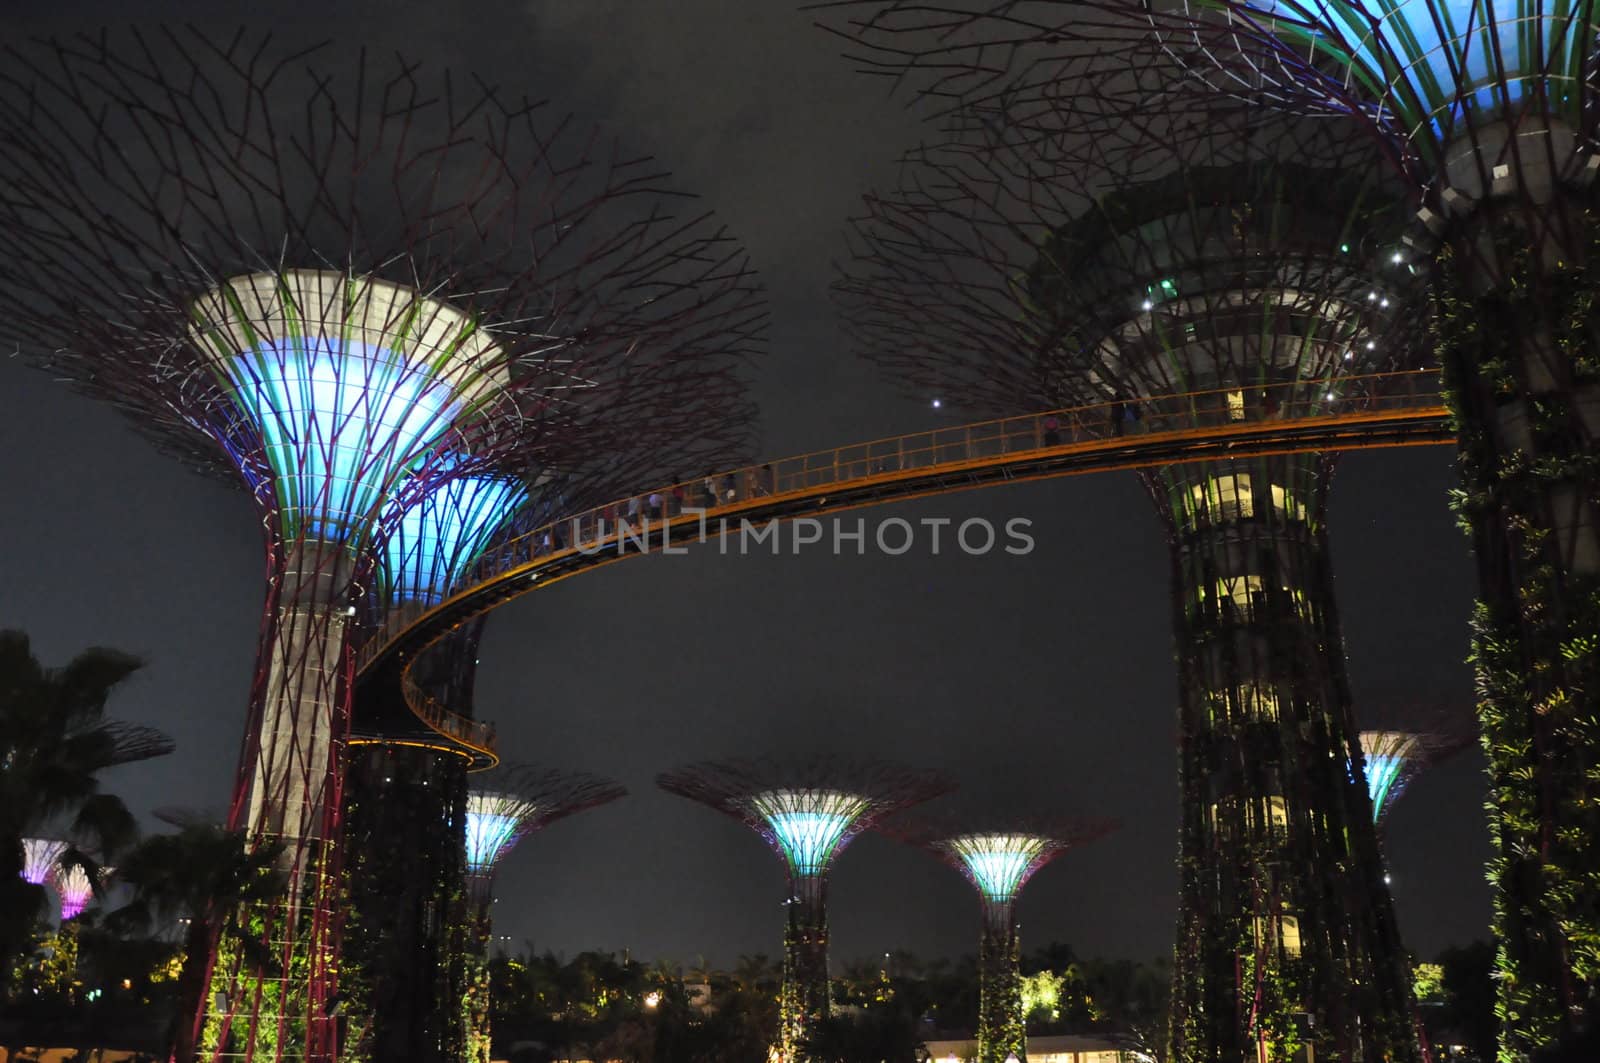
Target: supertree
{"x": 406, "y": 785}
{"x": 509, "y": 804}
{"x": 40, "y": 858}
{"x": 345, "y": 284}
{"x": 1102, "y": 238}
{"x": 999, "y": 858}
{"x": 1486, "y": 112}
{"x": 1489, "y": 108}
{"x": 807, "y": 809}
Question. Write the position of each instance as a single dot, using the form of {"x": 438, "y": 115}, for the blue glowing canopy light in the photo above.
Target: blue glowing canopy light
{"x": 810, "y": 826}
{"x": 1388, "y": 755}
{"x": 488, "y": 835}
{"x": 439, "y": 538}
{"x": 1422, "y": 58}
{"x": 1382, "y": 771}
{"x": 998, "y": 864}
{"x": 347, "y": 382}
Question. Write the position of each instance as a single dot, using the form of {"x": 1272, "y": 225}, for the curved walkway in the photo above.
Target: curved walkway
{"x": 1347, "y": 413}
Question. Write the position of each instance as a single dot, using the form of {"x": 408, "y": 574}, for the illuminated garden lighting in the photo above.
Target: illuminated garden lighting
{"x": 344, "y": 338}
{"x": 40, "y": 858}
{"x": 999, "y": 863}
{"x": 488, "y": 833}
{"x": 807, "y": 810}
{"x": 809, "y": 827}
{"x": 1026, "y": 298}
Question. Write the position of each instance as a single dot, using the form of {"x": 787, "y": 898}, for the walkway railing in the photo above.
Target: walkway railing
{"x": 1117, "y": 428}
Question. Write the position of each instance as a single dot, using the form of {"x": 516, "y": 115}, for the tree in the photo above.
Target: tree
{"x": 202, "y": 878}
{"x": 876, "y": 1035}
{"x": 54, "y": 743}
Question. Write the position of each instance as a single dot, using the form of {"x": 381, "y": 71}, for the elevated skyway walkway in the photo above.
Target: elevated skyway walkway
{"x": 1346, "y": 413}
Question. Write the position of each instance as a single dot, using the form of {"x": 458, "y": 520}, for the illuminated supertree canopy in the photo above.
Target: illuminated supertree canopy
{"x": 807, "y": 809}
{"x": 513, "y": 801}
{"x": 1401, "y": 742}
{"x": 74, "y": 887}
{"x": 346, "y": 283}
{"x": 1108, "y": 238}
{"x": 40, "y": 858}
{"x": 999, "y": 859}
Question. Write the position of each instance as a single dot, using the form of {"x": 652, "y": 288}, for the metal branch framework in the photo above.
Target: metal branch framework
{"x": 807, "y": 810}
{"x": 509, "y": 804}
{"x": 131, "y": 742}
{"x": 346, "y": 284}
{"x": 999, "y": 858}
{"x": 1112, "y": 239}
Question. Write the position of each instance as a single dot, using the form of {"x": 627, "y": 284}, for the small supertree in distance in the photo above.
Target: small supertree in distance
{"x": 40, "y": 858}
{"x": 998, "y": 856}
{"x": 74, "y": 886}
{"x": 807, "y": 809}
{"x": 1106, "y": 238}
{"x": 343, "y": 283}
{"x": 503, "y": 807}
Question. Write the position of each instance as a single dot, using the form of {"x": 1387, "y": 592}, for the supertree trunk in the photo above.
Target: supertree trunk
{"x": 475, "y": 1000}
{"x": 1287, "y": 946}
{"x": 1000, "y": 1019}
{"x": 274, "y": 996}
{"x": 1521, "y": 351}
{"x": 804, "y": 999}
{"x": 404, "y": 813}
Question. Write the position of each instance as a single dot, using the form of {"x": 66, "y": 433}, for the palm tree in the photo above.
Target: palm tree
{"x": 54, "y": 743}
{"x": 196, "y": 883}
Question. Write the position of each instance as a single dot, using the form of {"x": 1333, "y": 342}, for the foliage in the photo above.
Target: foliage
{"x": 197, "y": 883}
{"x": 54, "y": 743}
{"x": 1427, "y": 982}
{"x": 1518, "y": 362}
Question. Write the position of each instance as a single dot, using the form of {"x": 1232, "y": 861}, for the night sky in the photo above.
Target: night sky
{"x": 1041, "y": 682}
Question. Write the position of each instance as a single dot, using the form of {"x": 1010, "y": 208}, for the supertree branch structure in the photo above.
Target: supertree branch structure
{"x": 511, "y": 803}
{"x": 999, "y": 859}
{"x": 807, "y": 809}
{"x": 344, "y": 284}
{"x": 1107, "y": 240}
